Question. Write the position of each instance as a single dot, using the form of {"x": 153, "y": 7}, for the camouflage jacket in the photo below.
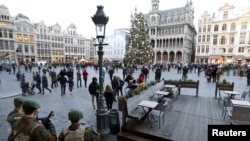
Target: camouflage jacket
{"x": 40, "y": 133}
{"x": 14, "y": 116}
{"x": 89, "y": 134}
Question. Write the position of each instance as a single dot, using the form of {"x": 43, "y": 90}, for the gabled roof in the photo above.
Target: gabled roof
{"x": 2, "y": 6}
{"x": 72, "y": 26}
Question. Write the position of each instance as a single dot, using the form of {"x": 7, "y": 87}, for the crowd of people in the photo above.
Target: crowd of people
{"x": 22, "y": 119}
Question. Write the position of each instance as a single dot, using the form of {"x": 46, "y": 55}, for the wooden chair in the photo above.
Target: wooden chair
{"x": 226, "y": 108}
{"x": 159, "y": 112}
{"x": 243, "y": 96}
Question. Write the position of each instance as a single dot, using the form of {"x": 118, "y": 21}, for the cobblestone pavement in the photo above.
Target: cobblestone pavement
{"x": 9, "y": 88}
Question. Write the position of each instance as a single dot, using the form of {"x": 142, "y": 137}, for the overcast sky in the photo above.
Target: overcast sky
{"x": 79, "y": 12}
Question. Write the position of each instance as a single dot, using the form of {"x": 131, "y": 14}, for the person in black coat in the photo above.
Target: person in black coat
{"x": 63, "y": 80}
{"x": 109, "y": 97}
{"x": 94, "y": 90}
{"x": 157, "y": 74}
{"x": 38, "y": 82}
{"x": 45, "y": 83}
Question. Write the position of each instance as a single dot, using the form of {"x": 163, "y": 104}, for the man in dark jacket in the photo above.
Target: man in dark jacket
{"x": 38, "y": 82}
{"x": 94, "y": 90}
{"x": 63, "y": 80}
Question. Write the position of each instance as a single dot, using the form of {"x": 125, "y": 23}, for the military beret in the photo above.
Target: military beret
{"x": 75, "y": 114}
{"x": 31, "y": 103}
{"x": 19, "y": 100}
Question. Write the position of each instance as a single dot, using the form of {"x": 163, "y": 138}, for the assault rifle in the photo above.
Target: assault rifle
{"x": 45, "y": 120}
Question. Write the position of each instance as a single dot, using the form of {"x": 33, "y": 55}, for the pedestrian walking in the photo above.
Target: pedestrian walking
{"x": 45, "y": 83}
{"x": 78, "y": 78}
{"x": 53, "y": 79}
{"x": 28, "y": 128}
{"x": 85, "y": 77}
{"x": 94, "y": 90}
{"x": 62, "y": 80}
{"x": 77, "y": 131}
{"x": 158, "y": 74}
{"x": 71, "y": 85}
{"x": 121, "y": 84}
{"x": 15, "y": 115}
{"x": 109, "y": 97}
{"x": 38, "y": 82}
{"x": 115, "y": 84}
{"x": 111, "y": 73}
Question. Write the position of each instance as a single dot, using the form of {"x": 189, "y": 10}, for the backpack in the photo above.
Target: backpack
{"x": 21, "y": 136}
{"x": 77, "y": 135}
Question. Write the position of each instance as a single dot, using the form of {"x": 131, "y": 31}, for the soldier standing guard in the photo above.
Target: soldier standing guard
{"x": 28, "y": 128}
{"x": 76, "y": 131}
{"x": 16, "y": 114}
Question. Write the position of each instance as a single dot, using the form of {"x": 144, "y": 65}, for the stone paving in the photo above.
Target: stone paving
{"x": 9, "y": 88}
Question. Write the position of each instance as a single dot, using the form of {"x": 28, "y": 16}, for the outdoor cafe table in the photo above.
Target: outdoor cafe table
{"x": 161, "y": 94}
{"x": 240, "y": 103}
{"x": 150, "y": 105}
{"x": 231, "y": 95}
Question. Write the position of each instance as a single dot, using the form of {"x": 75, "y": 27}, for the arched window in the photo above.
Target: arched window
{"x": 233, "y": 26}
{"x": 224, "y": 27}
{"x": 216, "y": 28}
{"x": 153, "y": 19}
{"x": 223, "y": 40}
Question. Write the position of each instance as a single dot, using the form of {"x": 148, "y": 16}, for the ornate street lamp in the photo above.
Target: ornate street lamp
{"x": 100, "y": 21}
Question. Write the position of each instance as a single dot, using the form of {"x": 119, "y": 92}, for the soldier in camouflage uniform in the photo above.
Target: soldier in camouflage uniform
{"x": 28, "y": 125}
{"x": 77, "y": 131}
{"x": 16, "y": 114}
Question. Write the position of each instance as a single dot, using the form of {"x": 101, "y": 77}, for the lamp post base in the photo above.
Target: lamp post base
{"x": 103, "y": 124}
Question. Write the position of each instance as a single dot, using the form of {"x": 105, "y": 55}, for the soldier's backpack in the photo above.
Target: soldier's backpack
{"x": 77, "y": 135}
{"x": 24, "y": 135}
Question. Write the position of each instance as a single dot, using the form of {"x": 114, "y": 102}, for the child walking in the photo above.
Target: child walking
{"x": 71, "y": 85}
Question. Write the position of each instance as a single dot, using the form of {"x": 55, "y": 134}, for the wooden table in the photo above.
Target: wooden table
{"x": 240, "y": 102}
{"x": 161, "y": 94}
{"x": 150, "y": 105}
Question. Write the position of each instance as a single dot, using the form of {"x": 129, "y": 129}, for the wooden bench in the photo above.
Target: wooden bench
{"x": 129, "y": 107}
{"x": 240, "y": 115}
{"x": 184, "y": 84}
{"x": 222, "y": 86}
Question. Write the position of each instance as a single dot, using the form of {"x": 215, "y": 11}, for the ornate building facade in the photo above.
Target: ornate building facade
{"x": 38, "y": 42}
{"x": 7, "y": 40}
{"x": 224, "y": 37}
{"x": 172, "y": 32}
{"x": 116, "y": 48}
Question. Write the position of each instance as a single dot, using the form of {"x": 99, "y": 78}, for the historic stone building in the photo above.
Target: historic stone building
{"x": 39, "y": 42}
{"x": 172, "y": 32}
{"x": 224, "y": 37}
{"x": 76, "y": 46}
{"x": 7, "y": 40}
{"x": 25, "y": 39}
{"x": 116, "y": 48}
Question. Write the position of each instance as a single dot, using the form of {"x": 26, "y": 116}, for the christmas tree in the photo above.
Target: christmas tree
{"x": 139, "y": 48}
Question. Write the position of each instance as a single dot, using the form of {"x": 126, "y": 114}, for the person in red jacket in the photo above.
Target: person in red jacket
{"x": 85, "y": 77}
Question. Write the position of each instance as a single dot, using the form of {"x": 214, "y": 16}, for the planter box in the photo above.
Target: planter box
{"x": 224, "y": 86}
